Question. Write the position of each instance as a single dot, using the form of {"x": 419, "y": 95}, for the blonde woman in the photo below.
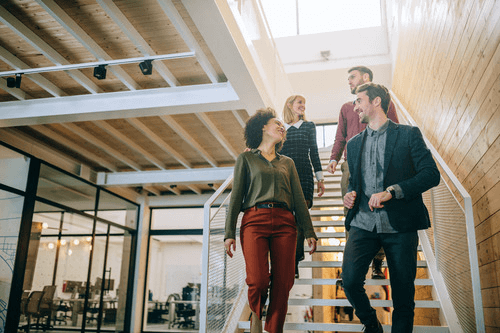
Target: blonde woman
{"x": 301, "y": 147}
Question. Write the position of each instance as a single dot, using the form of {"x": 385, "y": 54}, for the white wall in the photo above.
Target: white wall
{"x": 326, "y": 91}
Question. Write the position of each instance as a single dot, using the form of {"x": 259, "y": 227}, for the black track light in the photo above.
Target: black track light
{"x": 146, "y": 67}
{"x": 14, "y": 82}
{"x": 100, "y": 72}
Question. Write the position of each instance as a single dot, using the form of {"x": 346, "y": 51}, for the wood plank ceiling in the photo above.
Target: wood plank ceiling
{"x": 57, "y": 33}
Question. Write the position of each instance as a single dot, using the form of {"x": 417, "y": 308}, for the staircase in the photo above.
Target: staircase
{"x": 317, "y": 287}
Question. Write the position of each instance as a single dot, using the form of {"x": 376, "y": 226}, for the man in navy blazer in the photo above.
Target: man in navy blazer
{"x": 390, "y": 168}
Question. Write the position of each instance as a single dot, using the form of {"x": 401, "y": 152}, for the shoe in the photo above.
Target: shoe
{"x": 296, "y": 270}
{"x": 374, "y": 328}
{"x": 377, "y": 273}
{"x": 255, "y": 323}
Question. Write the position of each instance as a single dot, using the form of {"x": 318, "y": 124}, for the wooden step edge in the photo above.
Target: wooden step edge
{"x": 369, "y": 282}
{"x": 378, "y": 303}
{"x": 342, "y": 327}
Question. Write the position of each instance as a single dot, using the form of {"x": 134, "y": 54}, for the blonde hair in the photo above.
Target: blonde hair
{"x": 288, "y": 115}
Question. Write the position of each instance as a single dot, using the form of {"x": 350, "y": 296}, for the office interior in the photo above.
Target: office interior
{"x": 105, "y": 167}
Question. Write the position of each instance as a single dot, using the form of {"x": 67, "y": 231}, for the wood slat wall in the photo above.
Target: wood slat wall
{"x": 447, "y": 76}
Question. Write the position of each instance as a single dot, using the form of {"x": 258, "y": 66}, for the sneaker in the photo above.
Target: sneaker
{"x": 377, "y": 273}
{"x": 374, "y": 328}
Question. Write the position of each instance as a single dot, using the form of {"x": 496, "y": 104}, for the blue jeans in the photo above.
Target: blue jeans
{"x": 401, "y": 253}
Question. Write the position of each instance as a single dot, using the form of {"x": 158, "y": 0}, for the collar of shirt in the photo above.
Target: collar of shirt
{"x": 257, "y": 151}
{"x": 296, "y": 125}
{"x": 380, "y": 130}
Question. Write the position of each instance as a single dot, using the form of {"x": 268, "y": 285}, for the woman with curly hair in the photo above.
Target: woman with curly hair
{"x": 301, "y": 147}
{"x": 267, "y": 189}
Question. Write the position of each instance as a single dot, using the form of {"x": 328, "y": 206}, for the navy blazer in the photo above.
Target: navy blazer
{"x": 407, "y": 162}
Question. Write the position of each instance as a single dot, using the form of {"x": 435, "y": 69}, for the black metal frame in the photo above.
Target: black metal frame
{"x": 30, "y": 199}
{"x": 162, "y": 232}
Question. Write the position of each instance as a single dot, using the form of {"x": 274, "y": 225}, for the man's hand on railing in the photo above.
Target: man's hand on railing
{"x": 312, "y": 245}
{"x": 231, "y": 243}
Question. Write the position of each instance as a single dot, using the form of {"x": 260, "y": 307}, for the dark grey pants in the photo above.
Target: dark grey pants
{"x": 401, "y": 252}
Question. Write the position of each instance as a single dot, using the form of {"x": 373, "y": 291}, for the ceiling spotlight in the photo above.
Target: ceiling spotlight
{"x": 146, "y": 67}
{"x": 14, "y": 82}
{"x": 100, "y": 72}
{"x": 325, "y": 55}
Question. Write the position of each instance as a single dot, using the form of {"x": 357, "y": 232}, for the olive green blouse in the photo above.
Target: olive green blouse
{"x": 258, "y": 180}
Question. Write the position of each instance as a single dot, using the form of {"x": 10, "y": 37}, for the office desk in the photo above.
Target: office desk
{"x": 172, "y": 314}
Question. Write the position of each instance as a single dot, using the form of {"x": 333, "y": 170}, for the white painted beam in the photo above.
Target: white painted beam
{"x": 217, "y": 134}
{"x": 229, "y": 51}
{"x": 73, "y": 146}
{"x": 29, "y": 36}
{"x": 147, "y": 132}
{"x": 176, "y": 19}
{"x": 16, "y": 63}
{"x": 121, "y": 20}
{"x": 124, "y": 104}
{"x": 129, "y": 142}
{"x": 238, "y": 117}
{"x": 166, "y": 177}
{"x": 101, "y": 145}
{"x": 189, "y": 139}
{"x": 185, "y": 200}
{"x": 79, "y": 34}
{"x": 16, "y": 92}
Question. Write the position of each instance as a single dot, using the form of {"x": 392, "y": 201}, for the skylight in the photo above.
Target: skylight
{"x": 302, "y": 17}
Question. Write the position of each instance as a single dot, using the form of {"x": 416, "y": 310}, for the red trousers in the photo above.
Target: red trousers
{"x": 269, "y": 233}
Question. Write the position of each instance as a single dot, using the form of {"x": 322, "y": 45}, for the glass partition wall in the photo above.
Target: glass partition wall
{"x": 69, "y": 241}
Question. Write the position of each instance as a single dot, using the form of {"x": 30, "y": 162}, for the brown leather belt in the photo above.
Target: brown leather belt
{"x": 269, "y": 205}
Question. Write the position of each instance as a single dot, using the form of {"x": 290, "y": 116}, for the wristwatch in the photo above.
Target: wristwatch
{"x": 392, "y": 191}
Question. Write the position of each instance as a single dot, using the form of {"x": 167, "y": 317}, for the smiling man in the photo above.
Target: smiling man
{"x": 390, "y": 167}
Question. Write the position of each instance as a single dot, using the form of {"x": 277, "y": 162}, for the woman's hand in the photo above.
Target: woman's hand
{"x": 321, "y": 188}
{"x": 228, "y": 244}
{"x": 312, "y": 244}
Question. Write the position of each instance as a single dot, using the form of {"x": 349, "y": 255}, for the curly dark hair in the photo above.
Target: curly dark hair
{"x": 373, "y": 91}
{"x": 254, "y": 126}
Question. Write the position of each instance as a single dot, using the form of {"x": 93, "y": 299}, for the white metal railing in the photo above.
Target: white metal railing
{"x": 450, "y": 247}
{"x": 223, "y": 288}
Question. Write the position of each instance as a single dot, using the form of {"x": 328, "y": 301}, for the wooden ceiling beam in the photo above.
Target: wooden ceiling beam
{"x": 29, "y": 36}
{"x": 130, "y": 143}
{"x": 79, "y": 34}
{"x": 101, "y": 145}
{"x": 217, "y": 134}
{"x": 152, "y": 190}
{"x": 147, "y": 132}
{"x": 124, "y": 104}
{"x": 169, "y": 120}
{"x": 73, "y": 146}
{"x": 174, "y": 190}
{"x": 176, "y": 19}
{"x": 194, "y": 188}
{"x": 121, "y": 20}
{"x": 17, "y": 64}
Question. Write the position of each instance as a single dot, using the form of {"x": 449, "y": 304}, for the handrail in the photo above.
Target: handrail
{"x": 469, "y": 224}
{"x": 207, "y": 217}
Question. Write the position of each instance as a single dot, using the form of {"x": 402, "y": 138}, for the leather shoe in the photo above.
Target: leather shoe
{"x": 374, "y": 328}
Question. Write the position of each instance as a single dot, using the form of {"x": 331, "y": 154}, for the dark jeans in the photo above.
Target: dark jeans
{"x": 401, "y": 253}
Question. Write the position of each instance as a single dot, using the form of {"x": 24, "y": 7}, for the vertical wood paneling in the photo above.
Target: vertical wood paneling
{"x": 447, "y": 74}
